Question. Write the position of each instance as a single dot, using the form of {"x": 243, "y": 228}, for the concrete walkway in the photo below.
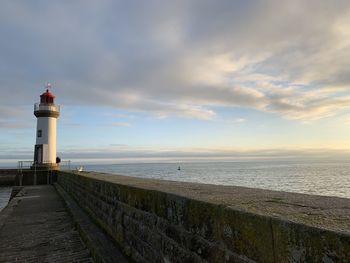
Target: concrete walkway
{"x": 35, "y": 227}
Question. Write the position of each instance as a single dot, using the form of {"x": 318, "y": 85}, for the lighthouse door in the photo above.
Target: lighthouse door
{"x": 38, "y": 153}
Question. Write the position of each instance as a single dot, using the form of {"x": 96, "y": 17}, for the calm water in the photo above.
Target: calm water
{"x": 5, "y": 193}
{"x": 320, "y": 178}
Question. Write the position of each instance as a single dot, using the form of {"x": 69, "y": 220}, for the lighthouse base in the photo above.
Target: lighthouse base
{"x": 45, "y": 166}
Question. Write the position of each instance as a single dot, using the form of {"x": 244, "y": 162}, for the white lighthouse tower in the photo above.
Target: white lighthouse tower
{"x": 46, "y": 113}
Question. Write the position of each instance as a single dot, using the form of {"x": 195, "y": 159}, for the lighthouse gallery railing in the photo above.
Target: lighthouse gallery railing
{"x": 48, "y": 107}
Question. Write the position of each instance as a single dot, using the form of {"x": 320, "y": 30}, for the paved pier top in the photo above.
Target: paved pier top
{"x": 35, "y": 227}
{"x": 330, "y": 213}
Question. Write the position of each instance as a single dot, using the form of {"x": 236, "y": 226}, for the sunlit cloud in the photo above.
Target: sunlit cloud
{"x": 229, "y": 73}
{"x": 181, "y": 55}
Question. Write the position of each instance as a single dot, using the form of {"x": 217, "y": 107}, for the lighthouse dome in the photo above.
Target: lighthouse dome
{"x": 47, "y": 97}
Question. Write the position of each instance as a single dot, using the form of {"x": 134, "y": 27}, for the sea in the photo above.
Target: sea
{"x": 315, "y": 177}
{"x": 329, "y": 178}
{"x": 5, "y": 193}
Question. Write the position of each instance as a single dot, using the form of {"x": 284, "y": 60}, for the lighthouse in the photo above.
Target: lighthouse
{"x": 46, "y": 113}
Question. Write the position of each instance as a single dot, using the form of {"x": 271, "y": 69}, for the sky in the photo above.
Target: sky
{"x": 162, "y": 80}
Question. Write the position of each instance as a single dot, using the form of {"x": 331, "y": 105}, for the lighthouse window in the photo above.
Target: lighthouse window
{"x": 39, "y": 133}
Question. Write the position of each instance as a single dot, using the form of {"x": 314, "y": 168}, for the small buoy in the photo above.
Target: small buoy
{"x": 179, "y": 168}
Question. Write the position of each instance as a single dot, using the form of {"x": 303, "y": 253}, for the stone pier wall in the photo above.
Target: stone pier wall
{"x": 7, "y": 177}
{"x": 11, "y": 177}
{"x": 163, "y": 221}
{"x": 36, "y": 177}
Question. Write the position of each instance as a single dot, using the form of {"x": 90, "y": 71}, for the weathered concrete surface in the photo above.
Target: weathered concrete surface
{"x": 35, "y": 227}
{"x": 99, "y": 243}
{"x": 162, "y": 221}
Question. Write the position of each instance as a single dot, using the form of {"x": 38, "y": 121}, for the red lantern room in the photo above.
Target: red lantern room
{"x": 47, "y": 97}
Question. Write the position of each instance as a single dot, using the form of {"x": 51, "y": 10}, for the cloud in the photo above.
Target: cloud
{"x": 240, "y": 120}
{"x": 184, "y": 110}
{"x": 125, "y": 152}
{"x": 14, "y": 125}
{"x": 14, "y": 118}
{"x": 121, "y": 124}
{"x": 180, "y": 58}
{"x": 11, "y": 112}
{"x": 128, "y": 153}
